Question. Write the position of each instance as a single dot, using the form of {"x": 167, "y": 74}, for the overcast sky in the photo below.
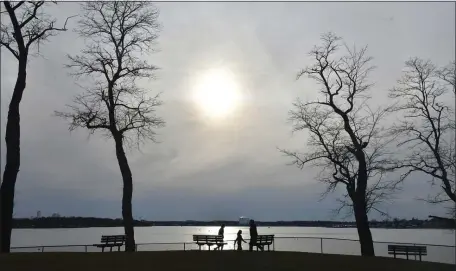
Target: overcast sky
{"x": 206, "y": 169}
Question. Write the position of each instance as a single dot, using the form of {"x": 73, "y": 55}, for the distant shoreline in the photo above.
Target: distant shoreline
{"x": 93, "y": 222}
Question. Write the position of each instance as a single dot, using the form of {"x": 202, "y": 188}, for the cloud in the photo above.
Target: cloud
{"x": 202, "y": 169}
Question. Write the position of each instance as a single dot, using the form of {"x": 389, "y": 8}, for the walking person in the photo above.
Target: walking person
{"x": 238, "y": 240}
{"x": 253, "y": 236}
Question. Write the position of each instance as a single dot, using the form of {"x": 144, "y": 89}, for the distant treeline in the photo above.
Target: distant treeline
{"x": 87, "y": 222}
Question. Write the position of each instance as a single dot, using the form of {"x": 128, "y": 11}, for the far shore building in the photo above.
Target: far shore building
{"x": 244, "y": 221}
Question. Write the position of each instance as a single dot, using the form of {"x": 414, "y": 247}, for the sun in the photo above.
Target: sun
{"x": 217, "y": 94}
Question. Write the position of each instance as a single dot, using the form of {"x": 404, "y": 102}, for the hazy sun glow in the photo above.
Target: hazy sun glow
{"x": 217, "y": 93}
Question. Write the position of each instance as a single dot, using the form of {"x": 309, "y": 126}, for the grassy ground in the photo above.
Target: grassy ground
{"x": 207, "y": 260}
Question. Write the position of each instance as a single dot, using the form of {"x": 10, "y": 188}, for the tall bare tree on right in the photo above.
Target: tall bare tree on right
{"x": 425, "y": 95}
{"x": 347, "y": 140}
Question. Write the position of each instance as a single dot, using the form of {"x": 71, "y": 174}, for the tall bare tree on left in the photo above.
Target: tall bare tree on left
{"x": 27, "y": 27}
{"x": 117, "y": 34}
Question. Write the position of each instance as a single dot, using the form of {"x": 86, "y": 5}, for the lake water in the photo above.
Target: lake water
{"x": 306, "y": 239}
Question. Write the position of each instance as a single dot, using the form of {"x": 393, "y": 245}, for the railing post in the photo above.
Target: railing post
{"x": 184, "y": 246}
{"x": 42, "y": 249}
{"x": 85, "y": 247}
{"x": 321, "y": 245}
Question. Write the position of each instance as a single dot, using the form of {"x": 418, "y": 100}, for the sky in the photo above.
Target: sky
{"x": 208, "y": 168}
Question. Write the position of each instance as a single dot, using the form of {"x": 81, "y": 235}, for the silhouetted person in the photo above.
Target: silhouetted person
{"x": 253, "y": 235}
{"x": 221, "y": 232}
{"x": 238, "y": 240}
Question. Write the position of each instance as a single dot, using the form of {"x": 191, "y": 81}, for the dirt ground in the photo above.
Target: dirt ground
{"x": 208, "y": 260}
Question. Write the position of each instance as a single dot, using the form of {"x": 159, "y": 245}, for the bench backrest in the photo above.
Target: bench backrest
{"x": 208, "y": 238}
{"x": 265, "y": 238}
{"x": 113, "y": 239}
{"x": 404, "y": 248}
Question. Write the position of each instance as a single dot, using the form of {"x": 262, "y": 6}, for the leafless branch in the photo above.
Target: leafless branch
{"x": 448, "y": 75}
{"x": 118, "y": 33}
{"x": 348, "y": 140}
{"x": 28, "y": 27}
{"x": 427, "y": 129}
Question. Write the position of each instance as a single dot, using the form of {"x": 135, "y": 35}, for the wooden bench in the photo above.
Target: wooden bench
{"x": 264, "y": 240}
{"x": 208, "y": 240}
{"x": 407, "y": 250}
{"x": 111, "y": 241}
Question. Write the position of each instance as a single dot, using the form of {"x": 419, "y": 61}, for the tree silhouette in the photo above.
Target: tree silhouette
{"x": 27, "y": 28}
{"x": 347, "y": 140}
{"x": 427, "y": 128}
{"x": 117, "y": 34}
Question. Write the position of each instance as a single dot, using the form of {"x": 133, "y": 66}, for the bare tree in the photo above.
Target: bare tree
{"x": 27, "y": 28}
{"x": 427, "y": 128}
{"x": 117, "y": 35}
{"x": 346, "y": 137}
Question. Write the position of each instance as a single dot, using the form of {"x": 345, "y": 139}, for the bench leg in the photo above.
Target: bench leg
{"x": 102, "y": 249}
{"x": 110, "y": 249}
{"x": 420, "y": 256}
{"x": 118, "y": 248}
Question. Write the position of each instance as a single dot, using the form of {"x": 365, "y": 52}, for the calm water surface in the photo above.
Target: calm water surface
{"x": 87, "y": 236}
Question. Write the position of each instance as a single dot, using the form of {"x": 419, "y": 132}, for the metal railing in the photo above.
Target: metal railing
{"x": 183, "y": 245}
{"x": 41, "y": 248}
{"x": 436, "y": 253}
{"x": 356, "y": 240}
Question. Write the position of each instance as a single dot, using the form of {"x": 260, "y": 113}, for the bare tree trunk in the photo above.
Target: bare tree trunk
{"x": 362, "y": 225}
{"x": 360, "y": 208}
{"x": 12, "y": 138}
{"x": 127, "y": 213}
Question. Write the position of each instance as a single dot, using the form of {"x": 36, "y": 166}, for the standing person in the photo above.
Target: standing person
{"x": 238, "y": 240}
{"x": 253, "y": 236}
{"x": 221, "y": 232}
